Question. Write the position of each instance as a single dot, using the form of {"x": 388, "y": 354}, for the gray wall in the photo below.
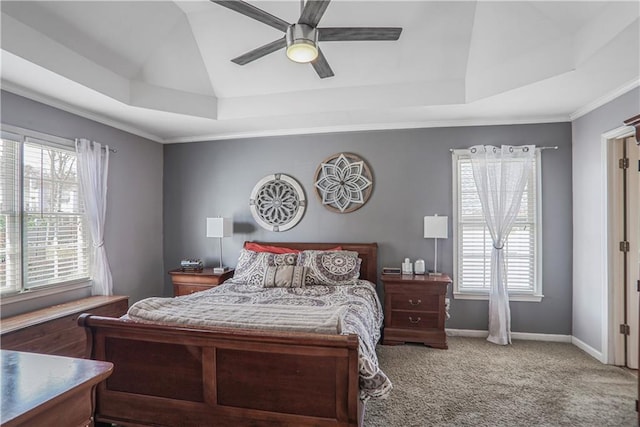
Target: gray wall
{"x": 412, "y": 173}
{"x": 589, "y": 231}
{"x": 133, "y": 230}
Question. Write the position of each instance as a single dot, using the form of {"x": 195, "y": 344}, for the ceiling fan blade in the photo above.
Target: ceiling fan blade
{"x": 255, "y": 13}
{"x": 321, "y": 66}
{"x": 313, "y": 11}
{"x": 260, "y": 52}
{"x": 358, "y": 33}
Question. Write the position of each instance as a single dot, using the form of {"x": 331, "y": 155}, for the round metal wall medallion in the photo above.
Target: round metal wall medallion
{"x": 277, "y": 202}
{"x": 343, "y": 182}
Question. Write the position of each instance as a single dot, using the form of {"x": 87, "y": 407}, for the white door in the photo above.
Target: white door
{"x": 633, "y": 256}
{"x": 625, "y": 237}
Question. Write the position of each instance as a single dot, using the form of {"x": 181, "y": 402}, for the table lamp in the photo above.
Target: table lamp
{"x": 436, "y": 227}
{"x": 220, "y": 228}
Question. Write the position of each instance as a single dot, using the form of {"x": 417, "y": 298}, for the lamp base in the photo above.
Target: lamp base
{"x": 220, "y": 270}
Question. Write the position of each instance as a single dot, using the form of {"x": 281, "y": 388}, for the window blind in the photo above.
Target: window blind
{"x": 57, "y": 247}
{"x": 10, "y": 228}
{"x": 44, "y": 238}
{"x": 474, "y": 242}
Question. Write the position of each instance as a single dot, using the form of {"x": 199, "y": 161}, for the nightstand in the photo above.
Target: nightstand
{"x": 414, "y": 309}
{"x": 188, "y": 282}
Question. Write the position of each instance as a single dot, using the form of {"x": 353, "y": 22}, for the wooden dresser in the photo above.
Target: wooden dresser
{"x": 40, "y": 390}
{"x": 188, "y": 282}
{"x": 55, "y": 330}
{"x": 414, "y": 309}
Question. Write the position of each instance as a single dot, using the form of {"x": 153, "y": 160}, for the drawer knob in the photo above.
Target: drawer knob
{"x": 415, "y": 303}
{"x": 413, "y": 321}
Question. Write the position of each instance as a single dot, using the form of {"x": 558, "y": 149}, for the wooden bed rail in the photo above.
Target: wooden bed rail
{"x": 185, "y": 376}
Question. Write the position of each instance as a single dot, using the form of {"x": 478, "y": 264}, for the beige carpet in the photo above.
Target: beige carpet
{"x": 476, "y": 383}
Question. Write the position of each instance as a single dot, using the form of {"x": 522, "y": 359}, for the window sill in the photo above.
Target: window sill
{"x": 39, "y": 293}
{"x": 518, "y": 298}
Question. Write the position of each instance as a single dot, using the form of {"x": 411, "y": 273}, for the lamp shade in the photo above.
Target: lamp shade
{"x": 219, "y": 227}
{"x": 436, "y": 227}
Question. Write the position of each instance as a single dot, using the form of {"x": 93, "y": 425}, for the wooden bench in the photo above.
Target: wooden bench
{"x": 54, "y": 330}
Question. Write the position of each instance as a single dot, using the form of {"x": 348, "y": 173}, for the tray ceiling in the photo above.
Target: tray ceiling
{"x": 162, "y": 69}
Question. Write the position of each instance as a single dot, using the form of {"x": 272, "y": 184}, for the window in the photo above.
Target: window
{"x": 473, "y": 243}
{"x": 44, "y": 239}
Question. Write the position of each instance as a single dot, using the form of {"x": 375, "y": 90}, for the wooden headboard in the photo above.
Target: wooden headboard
{"x": 368, "y": 253}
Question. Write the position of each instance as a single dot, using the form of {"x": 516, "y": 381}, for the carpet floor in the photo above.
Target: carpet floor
{"x": 476, "y": 383}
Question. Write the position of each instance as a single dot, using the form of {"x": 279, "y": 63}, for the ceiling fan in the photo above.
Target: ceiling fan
{"x": 301, "y": 38}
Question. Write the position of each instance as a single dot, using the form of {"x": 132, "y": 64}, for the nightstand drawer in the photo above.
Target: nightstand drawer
{"x": 188, "y": 289}
{"x": 188, "y": 282}
{"x": 413, "y": 319}
{"x": 417, "y": 301}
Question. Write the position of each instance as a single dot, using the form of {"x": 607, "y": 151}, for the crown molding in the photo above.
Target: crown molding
{"x": 56, "y": 103}
{"x": 367, "y": 127}
{"x": 604, "y": 99}
{"x": 19, "y": 90}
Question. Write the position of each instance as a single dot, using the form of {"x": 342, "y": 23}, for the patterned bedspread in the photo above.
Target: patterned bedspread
{"x": 356, "y": 306}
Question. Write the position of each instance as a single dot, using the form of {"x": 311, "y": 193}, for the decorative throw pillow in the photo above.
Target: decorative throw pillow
{"x": 330, "y": 267}
{"x": 282, "y": 259}
{"x": 252, "y": 266}
{"x": 285, "y": 276}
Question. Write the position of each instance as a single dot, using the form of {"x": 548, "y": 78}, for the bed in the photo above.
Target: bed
{"x": 184, "y": 375}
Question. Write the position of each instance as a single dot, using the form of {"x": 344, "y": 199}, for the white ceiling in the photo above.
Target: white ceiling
{"x": 162, "y": 69}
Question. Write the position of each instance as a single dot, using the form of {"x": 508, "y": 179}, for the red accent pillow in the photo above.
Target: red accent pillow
{"x": 256, "y": 247}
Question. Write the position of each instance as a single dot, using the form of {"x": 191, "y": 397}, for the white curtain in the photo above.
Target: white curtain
{"x": 500, "y": 174}
{"x": 93, "y": 170}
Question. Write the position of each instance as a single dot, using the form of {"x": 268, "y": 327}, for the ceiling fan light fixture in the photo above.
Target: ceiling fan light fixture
{"x": 302, "y": 43}
{"x": 302, "y": 52}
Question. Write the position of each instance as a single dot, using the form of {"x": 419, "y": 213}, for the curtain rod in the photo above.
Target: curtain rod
{"x": 113, "y": 150}
{"x": 555, "y": 147}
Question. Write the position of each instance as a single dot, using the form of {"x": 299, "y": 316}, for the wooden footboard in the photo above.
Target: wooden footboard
{"x": 183, "y": 376}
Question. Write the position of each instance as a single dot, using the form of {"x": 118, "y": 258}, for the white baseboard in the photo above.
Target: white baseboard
{"x": 474, "y": 333}
{"x": 588, "y": 349}
{"x": 541, "y": 337}
{"x": 515, "y": 335}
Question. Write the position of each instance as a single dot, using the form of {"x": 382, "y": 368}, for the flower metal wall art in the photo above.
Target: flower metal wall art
{"x": 277, "y": 202}
{"x": 343, "y": 182}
